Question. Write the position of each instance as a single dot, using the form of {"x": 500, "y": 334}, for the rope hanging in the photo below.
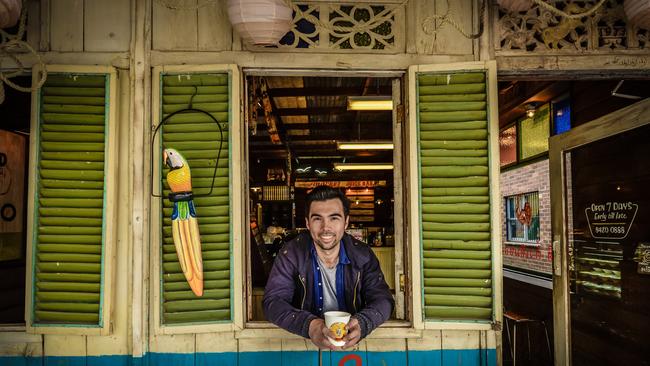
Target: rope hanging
{"x": 429, "y": 26}
{"x": 8, "y": 45}
{"x": 559, "y": 12}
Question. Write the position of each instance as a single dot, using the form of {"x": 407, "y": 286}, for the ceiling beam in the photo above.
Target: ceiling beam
{"x": 311, "y": 111}
{"x": 334, "y": 125}
{"x": 316, "y": 92}
{"x": 511, "y": 102}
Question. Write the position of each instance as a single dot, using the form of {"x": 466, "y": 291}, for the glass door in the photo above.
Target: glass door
{"x": 600, "y": 174}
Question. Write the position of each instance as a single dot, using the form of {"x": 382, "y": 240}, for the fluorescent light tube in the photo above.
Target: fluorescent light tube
{"x": 368, "y": 145}
{"x": 370, "y": 103}
{"x": 362, "y": 166}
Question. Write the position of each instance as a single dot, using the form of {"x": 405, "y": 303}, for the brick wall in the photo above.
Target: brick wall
{"x": 529, "y": 178}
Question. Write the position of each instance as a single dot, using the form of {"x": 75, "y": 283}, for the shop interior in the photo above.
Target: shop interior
{"x": 296, "y": 127}
{"x": 603, "y": 271}
{"x": 305, "y": 131}
{"x": 14, "y": 158}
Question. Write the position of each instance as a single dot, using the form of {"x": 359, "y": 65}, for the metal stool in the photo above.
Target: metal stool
{"x": 521, "y": 319}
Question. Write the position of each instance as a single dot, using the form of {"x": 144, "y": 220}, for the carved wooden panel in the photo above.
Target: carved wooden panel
{"x": 539, "y": 30}
{"x": 323, "y": 26}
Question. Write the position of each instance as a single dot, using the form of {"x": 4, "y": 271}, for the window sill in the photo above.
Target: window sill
{"x": 388, "y": 330}
{"x": 536, "y": 245}
{"x": 12, "y": 328}
{"x": 17, "y": 334}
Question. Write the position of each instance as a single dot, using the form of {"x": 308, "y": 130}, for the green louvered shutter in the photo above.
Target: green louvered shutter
{"x": 454, "y": 195}
{"x": 197, "y": 138}
{"x": 69, "y": 243}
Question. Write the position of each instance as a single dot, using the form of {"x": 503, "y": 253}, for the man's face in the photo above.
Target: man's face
{"x": 326, "y": 222}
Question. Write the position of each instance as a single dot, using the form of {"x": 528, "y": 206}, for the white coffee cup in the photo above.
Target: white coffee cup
{"x": 336, "y": 322}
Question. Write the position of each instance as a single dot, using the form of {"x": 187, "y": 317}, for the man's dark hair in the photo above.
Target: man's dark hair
{"x": 324, "y": 193}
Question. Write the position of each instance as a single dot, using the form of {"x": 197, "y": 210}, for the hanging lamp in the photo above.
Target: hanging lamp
{"x": 260, "y": 22}
{"x": 638, "y": 12}
{"x": 9, "y": 12}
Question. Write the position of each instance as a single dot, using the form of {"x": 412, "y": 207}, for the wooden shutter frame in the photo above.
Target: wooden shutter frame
{"x": 109, "y": 232}
{"x": 236, "y": 204}
{"x": 412, "y": 138}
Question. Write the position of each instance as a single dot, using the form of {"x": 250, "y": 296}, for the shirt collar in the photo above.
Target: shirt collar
{"x": 343, "y": 255}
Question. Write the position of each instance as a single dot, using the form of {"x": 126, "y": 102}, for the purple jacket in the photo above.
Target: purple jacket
{"x": 288, "y": 298}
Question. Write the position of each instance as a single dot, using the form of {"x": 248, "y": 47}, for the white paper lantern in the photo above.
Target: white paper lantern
{"x": 638, "y": 12}
{"x": 260, "y": 22}
{"x": 515, "y": 6}
{"x": 9, "y": 12}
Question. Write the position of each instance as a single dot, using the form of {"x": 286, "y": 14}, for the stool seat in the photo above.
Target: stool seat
{"x": 511, "y": 315}
{"x": 517, "y": 318}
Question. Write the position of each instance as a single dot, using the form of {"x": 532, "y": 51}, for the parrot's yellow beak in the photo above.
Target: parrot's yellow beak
{"x": 165, "y": 157}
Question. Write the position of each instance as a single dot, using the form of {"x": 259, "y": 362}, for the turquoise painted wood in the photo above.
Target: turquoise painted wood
{"x": 211, "y": 359}
{"x": 394, "y": 358}
{"x": 170, "y": 359}
{"x": 259, "y": 358}
{"x": 306, "y": 358}
{"x": 348, "y": 358}
{"x": 454, "y": 195}
{"x": 67, "y": 361}
{"x": 468, "y": 357}
{"x": 198, "y": 138}
{"x": 68, "y": 241}
{"x": 425, "y": 358}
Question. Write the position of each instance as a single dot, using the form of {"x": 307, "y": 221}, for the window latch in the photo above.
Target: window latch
{"x": 557, "y": 258}
{"x": 400, "y": 114}
{"x": 402, "y": 282}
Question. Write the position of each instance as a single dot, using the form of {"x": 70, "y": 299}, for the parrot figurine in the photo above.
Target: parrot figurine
{"x": 185, "y": 227}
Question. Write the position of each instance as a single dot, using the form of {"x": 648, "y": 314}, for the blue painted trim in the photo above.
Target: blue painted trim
{"x": 466, "y": 357}
{"x": 221, "y": 359}
{"x": 425, "y": 358}
{"x": 260, "y": 358}
{"x": 114, "y": 360}
{"x": 394, "y": 358}
{"x": 21, "y": 361}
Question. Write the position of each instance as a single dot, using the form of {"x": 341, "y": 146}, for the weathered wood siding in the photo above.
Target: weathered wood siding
{"x": 135, "y": 36}
{"x": 88, "y": 25}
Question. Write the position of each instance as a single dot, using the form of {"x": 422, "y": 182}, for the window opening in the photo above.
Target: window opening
{"x": 522, "y": 218}
{"x": 534, "y": 133}
{"x": 14, "y": 158}
{"x": 508, "y": 145}
{"x": 561, "y": 115}
{"x": 298, "y": 128}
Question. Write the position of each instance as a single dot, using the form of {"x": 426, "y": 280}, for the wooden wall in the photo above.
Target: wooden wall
{"x": 135, "y": 35}
{"x": 203, "y": 29}
{"x": 87, "y": 25}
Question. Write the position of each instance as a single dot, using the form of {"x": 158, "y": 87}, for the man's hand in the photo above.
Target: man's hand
{"x": 318, "y": 334}
{"x": 354, "y": 334}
